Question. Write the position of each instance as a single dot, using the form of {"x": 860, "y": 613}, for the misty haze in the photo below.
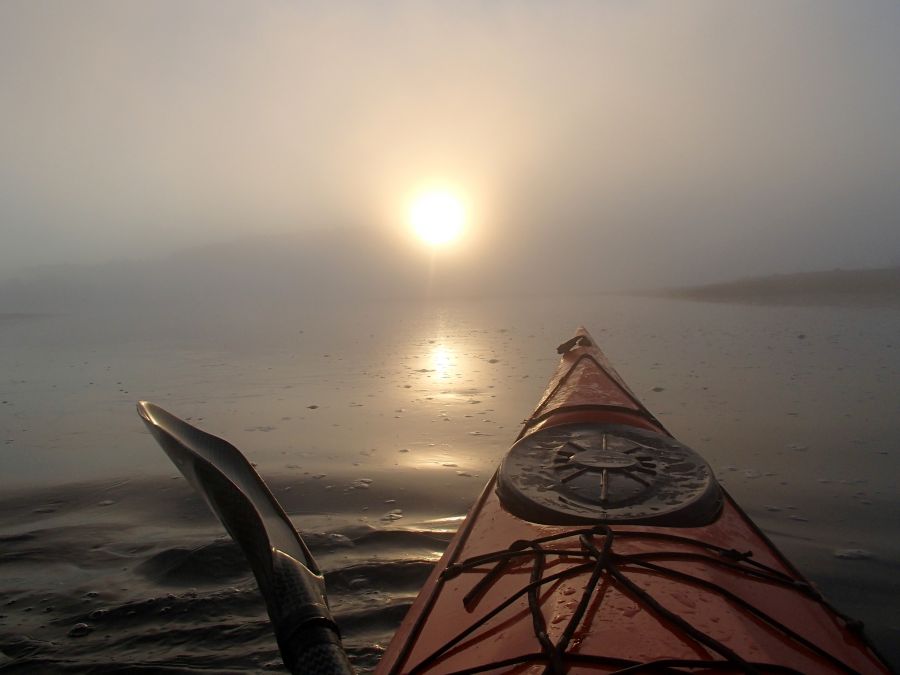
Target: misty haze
{"x": 348, "y": 237}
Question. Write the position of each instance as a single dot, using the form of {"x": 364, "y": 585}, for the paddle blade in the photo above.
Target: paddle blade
{"x": 230, "y": 485}
{"x": 290, "y": 581}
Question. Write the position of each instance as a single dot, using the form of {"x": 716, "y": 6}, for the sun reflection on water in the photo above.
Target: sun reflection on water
{"x": 442, "y": 361}
{"x": 448, "y": 407}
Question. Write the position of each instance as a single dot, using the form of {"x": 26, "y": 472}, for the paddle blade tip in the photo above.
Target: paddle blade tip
{"x": 143, "y": 410}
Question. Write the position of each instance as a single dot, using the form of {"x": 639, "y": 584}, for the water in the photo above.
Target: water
{"x": 377, "y": 426}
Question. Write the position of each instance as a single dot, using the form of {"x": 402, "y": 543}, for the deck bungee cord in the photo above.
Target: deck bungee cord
{"x": 606, "y": 561}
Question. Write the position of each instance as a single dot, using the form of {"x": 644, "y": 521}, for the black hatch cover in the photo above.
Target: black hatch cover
{"x": 595, "y": 473}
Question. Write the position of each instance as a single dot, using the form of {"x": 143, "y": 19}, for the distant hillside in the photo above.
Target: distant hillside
{"x": 866, "y": 287}
{"x": 312, "y": 268}
{"x": 286, "y": 269}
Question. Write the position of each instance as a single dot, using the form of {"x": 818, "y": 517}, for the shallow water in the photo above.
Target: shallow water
{"x": 377, "y": 426}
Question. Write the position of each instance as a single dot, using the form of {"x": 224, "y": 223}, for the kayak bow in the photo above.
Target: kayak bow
{"x": 604, "y": 545}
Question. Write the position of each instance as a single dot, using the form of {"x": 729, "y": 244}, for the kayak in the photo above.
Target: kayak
{"x": 603, "y": 545}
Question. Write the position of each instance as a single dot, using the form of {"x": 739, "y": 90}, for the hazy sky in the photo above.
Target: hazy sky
{"x": 700, "y": 140}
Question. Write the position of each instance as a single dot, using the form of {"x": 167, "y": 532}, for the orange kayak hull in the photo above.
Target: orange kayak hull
{"x": 621, "y": 592}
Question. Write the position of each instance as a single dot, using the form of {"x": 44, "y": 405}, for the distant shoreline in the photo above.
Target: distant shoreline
{"x": 18, "y": 316}
{"x": 866, "y": 287}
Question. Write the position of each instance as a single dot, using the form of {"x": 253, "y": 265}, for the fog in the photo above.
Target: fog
{"x": 597, "y": 145}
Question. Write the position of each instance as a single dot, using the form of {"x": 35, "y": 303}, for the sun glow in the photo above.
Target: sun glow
{"x": 437, "y": 217}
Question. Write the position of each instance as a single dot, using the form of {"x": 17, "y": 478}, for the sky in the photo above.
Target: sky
{"x": 694, "y": 140}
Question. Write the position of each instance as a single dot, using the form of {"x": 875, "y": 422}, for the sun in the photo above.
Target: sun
{"x": 437, "y": 216}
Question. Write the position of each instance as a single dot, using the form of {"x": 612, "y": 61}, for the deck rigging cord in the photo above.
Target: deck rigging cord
{"x": 604, "y": 563}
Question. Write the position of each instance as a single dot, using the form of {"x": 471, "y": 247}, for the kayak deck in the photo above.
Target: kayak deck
{"x": 631, "y": 591}
{"x": 641, "y": 596}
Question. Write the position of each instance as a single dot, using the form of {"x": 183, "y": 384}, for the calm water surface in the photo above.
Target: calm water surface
{"x": 377, "y": 426}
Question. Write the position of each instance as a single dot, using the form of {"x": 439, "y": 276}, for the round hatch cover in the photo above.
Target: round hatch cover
{"x": 594, "y": 473}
